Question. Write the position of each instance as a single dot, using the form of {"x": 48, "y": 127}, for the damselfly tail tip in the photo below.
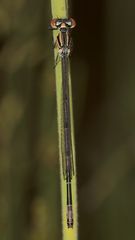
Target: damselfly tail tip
{"x": 69, "y": 216}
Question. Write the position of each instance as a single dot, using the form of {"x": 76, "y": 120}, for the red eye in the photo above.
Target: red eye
{"x": 73, "y": 22}
{"x": 53, "y": 23}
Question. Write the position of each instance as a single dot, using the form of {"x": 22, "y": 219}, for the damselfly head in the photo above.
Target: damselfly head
{"x": 62, "y": 23}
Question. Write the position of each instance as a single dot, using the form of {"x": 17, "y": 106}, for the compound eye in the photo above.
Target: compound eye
{"x": 73, "y": 22}
{"x": 58, "y": 23}
{"x": 53, "y": 23}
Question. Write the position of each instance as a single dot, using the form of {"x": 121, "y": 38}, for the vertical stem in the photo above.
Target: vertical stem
{"x": 60, "y": 9}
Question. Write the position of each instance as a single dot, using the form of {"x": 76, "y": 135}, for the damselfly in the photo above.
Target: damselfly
{"x": 64, "y": 44}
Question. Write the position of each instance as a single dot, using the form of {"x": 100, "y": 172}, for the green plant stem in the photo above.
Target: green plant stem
{"x": 60, "y": 10}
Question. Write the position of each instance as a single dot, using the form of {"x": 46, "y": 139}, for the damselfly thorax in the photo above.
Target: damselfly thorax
{"x": 63, "y": 43}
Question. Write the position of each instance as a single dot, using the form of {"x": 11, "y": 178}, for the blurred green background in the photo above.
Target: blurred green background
{"x": 103, "y": 79}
